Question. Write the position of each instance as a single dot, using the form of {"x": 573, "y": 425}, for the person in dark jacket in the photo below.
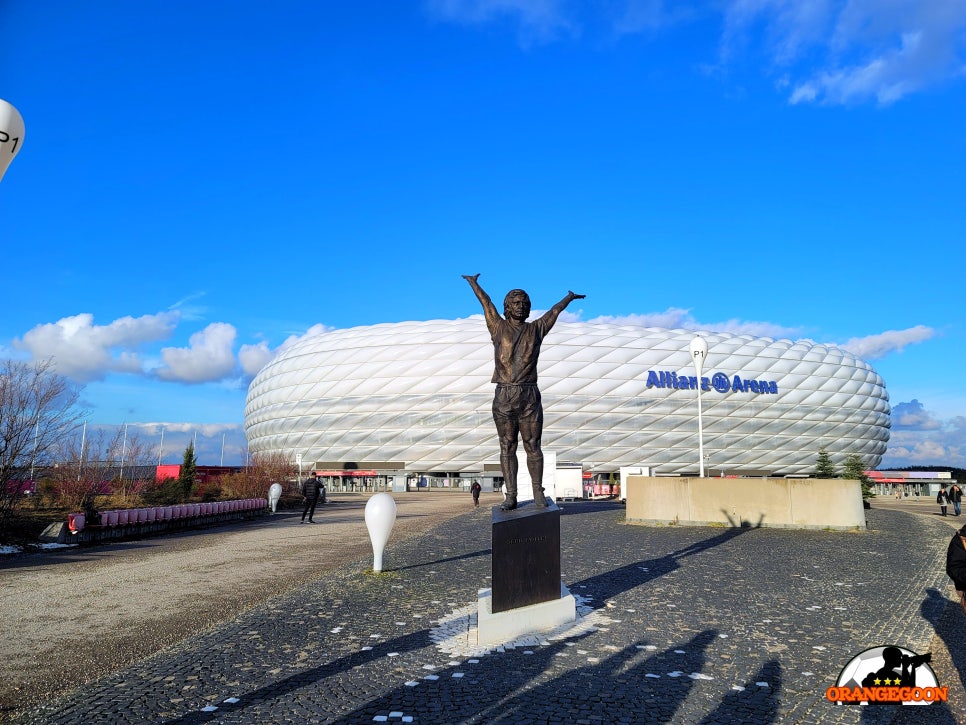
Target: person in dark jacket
{"x": 956, "y": 496}
{"x": 310, "y": 495}
{"x": 956, "y": 564}
{"x": 475, "y": 490}
{"x": 942, "y": 498}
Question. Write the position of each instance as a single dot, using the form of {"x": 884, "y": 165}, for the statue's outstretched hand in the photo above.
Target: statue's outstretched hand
{"x": 577, "y": 297}
{"x": 471, "y": 277}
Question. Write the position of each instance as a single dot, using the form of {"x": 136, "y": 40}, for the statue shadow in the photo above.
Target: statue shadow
{"x": 630, "y": 576}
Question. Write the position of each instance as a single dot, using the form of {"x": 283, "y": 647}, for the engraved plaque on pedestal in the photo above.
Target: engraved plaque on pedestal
{"x": 526, "y": 556}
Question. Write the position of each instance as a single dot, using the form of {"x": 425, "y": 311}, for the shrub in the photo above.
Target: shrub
{"x": 165, "y": 492}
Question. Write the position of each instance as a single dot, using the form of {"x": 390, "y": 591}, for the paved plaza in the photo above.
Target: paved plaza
{"x": 680, "y": 625}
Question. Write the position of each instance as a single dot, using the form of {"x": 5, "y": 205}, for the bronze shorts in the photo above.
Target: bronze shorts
{"x": 517, "y": 402}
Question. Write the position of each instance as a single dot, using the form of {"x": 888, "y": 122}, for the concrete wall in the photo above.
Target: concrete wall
{"x": 801, "y": 503}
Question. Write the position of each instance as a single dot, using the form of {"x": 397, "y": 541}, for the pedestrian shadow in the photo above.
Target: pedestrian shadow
{"x": 630, "y": 576}
{"x": 946, "y": 616}
{"x": 306, "y": 678}
{"x": 628, "y": 685}
{"x": 650, "y": 688}
{"x": 759, "y": 695}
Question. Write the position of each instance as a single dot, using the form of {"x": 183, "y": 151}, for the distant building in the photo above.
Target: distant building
{"x": 911, "y": 483}
{"x": 413, "y": 398}
{"x": 203, "y": 474}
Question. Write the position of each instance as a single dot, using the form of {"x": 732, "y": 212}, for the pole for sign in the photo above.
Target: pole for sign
{"x": 699, "y": 351}
{"x": 123, "y": 453}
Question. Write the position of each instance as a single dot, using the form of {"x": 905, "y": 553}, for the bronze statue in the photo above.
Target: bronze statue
{"x": 517, "y": 408}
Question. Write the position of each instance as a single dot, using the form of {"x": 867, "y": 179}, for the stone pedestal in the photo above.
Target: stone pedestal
{"x": 501, "y": 627}
{"x": 526, "y": 556}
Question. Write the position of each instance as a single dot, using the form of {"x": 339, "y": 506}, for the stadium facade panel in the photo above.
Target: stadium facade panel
{"x": 419, "y": 393}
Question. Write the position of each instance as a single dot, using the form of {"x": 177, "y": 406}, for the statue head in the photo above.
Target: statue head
{"x": 516, "y": 305}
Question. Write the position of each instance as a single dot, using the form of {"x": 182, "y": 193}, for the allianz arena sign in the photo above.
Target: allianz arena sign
{"x": 719, "y": 382}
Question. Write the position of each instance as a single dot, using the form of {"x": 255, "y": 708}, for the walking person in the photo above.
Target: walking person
{"x": 956, "y": 564}
{"x": 310, "y": 495}
{"x": 475, "y": 490}
{"x": 942, "y": 498}
{"x": 956, "y": 496}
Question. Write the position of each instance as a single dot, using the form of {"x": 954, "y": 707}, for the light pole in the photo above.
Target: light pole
{"x": 699, "y": 351}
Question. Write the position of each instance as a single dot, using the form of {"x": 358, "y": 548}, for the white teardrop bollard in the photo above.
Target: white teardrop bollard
{"x": 380, "y": 517}
{"x": 274, "y": 494}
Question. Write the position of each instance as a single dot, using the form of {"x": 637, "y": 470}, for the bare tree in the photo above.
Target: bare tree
{"x": 79, "y": 473}
{"x": 135, "y": 459}
{"x": 37, "y": 410}
{"x": 254, "y": 480}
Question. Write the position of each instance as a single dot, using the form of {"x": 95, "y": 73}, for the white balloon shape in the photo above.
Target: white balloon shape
{"x": 11, "y": 134}
{"x": 274, "y": 494}
{"x": 380, "y": 516}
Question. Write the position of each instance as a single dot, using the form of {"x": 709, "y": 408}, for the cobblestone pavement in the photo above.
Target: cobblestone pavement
{"x": 680, "y": 625}
{"x": 948, "y": 645}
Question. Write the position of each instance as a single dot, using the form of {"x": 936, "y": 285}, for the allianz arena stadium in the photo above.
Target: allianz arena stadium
{"x": 414, "y": 398}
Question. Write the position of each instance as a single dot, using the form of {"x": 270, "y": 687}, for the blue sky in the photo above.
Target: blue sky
{"x": 201, "y": 183}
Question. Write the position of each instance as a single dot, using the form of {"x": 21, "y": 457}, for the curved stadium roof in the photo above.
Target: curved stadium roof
{"x": 419, "y": 393}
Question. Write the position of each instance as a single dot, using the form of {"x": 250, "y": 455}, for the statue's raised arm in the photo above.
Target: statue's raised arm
{"x": 489, "y": 309}
{"x": 550, "y": 316}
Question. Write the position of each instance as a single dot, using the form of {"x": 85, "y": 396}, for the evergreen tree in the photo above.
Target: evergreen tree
{"x": 854, "y": 470}
{"x": 824, "y": 468}
{"x": 189, "y": 467}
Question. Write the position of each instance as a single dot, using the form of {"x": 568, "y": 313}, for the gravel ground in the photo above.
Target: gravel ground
{"x": 72, "y": 615}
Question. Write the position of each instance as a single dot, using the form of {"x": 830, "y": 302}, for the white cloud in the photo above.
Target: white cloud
{"x": 677, "y": 318}
{"x": 188, "y": 309}
{"x": 203, "y": 429}
{"x": 317, "y": 329}
{"x": 538, "y": 21}
{"x": 874, "y": 347}
{"x": 913, "y": 415}
{"x": 854, "y": 51}
{"x": 918, "y": 453}
{"x": 832, "y": 52}
{"x": 208, "y": 357}
{"x": 215, "y": 443}
{"x": 84, "y": 351}
{"x": 649, "y": 16}
{"x": 253, "y": 358}
{"x": 788, "y": 26}
{"x": 921, "y": 438}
